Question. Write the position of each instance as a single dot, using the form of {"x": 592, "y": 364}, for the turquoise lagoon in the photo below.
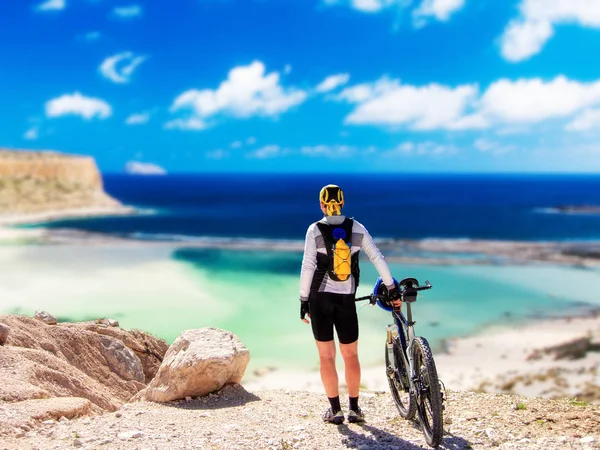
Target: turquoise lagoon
{"x": 166, "y": 288}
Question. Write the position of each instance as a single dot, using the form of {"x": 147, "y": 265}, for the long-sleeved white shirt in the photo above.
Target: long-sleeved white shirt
{"x": 314, "y": 243}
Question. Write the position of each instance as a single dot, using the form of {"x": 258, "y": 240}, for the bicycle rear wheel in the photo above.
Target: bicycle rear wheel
{"x": 397, "y": 376}
{"x": 428, "y": 394}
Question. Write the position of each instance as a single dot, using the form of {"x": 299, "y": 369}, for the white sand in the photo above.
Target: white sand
{"x": 7, "y": 221}
{"x": 47, "y": 216}
{"x": 499, "y": 354}
{"x": 488, "y": 360}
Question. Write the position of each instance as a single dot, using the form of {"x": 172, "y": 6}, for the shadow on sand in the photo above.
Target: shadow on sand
{"x": 229, "y": 396}
{"x": 379, "y": 438}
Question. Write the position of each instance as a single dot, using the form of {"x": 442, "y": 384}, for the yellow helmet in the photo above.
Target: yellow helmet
{"x": 333, "y": 198}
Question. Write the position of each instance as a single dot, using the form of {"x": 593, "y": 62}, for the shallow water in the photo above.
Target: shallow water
{"x": 167, "y": 289}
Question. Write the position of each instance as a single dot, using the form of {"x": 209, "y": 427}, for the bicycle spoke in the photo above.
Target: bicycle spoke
{"x": 429, "y": 400}
{"x": 398, "y": 381}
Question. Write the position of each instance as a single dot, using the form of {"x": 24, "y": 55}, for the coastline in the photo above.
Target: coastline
{"x": 9, "y": 222}
{"x": 543, "y": 358}
{"x": 12, "y": 219}
{"x": 428, "y": 251}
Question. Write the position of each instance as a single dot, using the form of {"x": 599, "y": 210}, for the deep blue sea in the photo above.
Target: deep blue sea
{"x": 508, "y": 207}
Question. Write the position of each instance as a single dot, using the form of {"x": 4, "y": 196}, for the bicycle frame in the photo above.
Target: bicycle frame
{"x": 404, "y": 323}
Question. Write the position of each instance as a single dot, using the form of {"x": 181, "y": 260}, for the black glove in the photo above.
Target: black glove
{"x": 393, "y": 294}
{"x": 304, "y": 308}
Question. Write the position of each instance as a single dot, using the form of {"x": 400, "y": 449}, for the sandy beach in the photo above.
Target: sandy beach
{"x": 525, "y": 360}
{"x": 8, "y": 219}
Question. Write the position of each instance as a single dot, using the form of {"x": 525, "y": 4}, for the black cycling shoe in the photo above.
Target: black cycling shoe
{"x": 337, "y": 418}
{"x": 356, "y": 416}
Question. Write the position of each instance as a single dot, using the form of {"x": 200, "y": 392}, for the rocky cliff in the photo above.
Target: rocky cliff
{"x": 32, "y": 182}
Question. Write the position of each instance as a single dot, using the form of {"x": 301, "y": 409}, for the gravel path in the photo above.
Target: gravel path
{"x": 277, "y": 419}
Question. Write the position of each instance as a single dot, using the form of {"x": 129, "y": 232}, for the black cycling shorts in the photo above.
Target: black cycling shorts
{"x": 334, "y": 310}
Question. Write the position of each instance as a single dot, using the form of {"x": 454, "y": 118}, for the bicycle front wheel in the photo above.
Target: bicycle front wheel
{"x": 428, "y": 393}
{"x": 397, "y": 376}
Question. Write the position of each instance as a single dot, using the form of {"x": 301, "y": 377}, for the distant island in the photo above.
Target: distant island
{"x": 578, "y": 209}
{"x": 38, "y": 185}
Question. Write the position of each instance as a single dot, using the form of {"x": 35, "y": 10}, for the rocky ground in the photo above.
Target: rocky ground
{"x": 69, "y": 385}
{"x": 284, "y": 419}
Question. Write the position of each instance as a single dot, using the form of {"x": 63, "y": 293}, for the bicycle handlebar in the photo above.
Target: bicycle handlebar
{"x": 372, "y": 298}
{"x": 426, "y": 286}
{"x": 402, "y": 290}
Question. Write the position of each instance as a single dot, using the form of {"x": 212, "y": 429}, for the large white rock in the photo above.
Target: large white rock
{"x": 45, "y": 317}
{"x": 198, "y": 362}
{"x": 122, "y": 360}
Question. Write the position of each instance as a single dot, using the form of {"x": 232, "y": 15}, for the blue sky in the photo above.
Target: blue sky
{"x": 305, "y": 85}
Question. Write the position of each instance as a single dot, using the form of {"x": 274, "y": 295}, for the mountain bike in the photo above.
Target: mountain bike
{"x": 410, "y": 368}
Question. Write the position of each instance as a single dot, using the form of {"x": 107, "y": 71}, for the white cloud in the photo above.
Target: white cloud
{"x": 52, "y": 5}
{"x": 119, "y": 68}
{"x": 92, "y": 36}
{"x": 370, "y": 6}
{"x": 404, "y": 148}
{"x": 473, "y": 121}
{"x": 522, "y": 39}
{"x": 367, "y": 6}
{"x": 428, "y": 9}
{"x": 78, "y": 105}
{"x": 217, "y": 154}
{"x": 421, "y": 148}
{"x": 333, "y": 82}
{"x": 366, "y": 91}
{"x": 248, "y": 91}
{"x": 329, "y": 151}
{"x": 141, "y": 168}
{"x": 32, "y": 134}
{"x": 138, "y": 118}
{"x": 438, "y": 9}
{"x": 495, "y": 148}
{"x": 587, "y": 120}
{"x": 526, "y": 35}
{"x": 534, "y": 100}
{"x": 189, "y": 124}
{"x": 127, "y": 12}
{"x": 483, "y": 145}
{"x": 390, "y": 103}
{"x": 239, "y": 144}
{"x": 268, "y": 151}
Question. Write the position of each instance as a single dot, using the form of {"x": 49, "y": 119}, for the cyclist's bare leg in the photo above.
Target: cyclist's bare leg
{"x": 350, "y": 354}
{"x": 329, "y": 374}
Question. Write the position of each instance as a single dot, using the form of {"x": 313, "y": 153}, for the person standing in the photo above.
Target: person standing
{"x": 329, "y": 277}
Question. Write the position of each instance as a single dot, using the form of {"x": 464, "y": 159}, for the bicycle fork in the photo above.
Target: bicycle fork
{"x": 412, "y": 375}
{"x": 391, "y": 368}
